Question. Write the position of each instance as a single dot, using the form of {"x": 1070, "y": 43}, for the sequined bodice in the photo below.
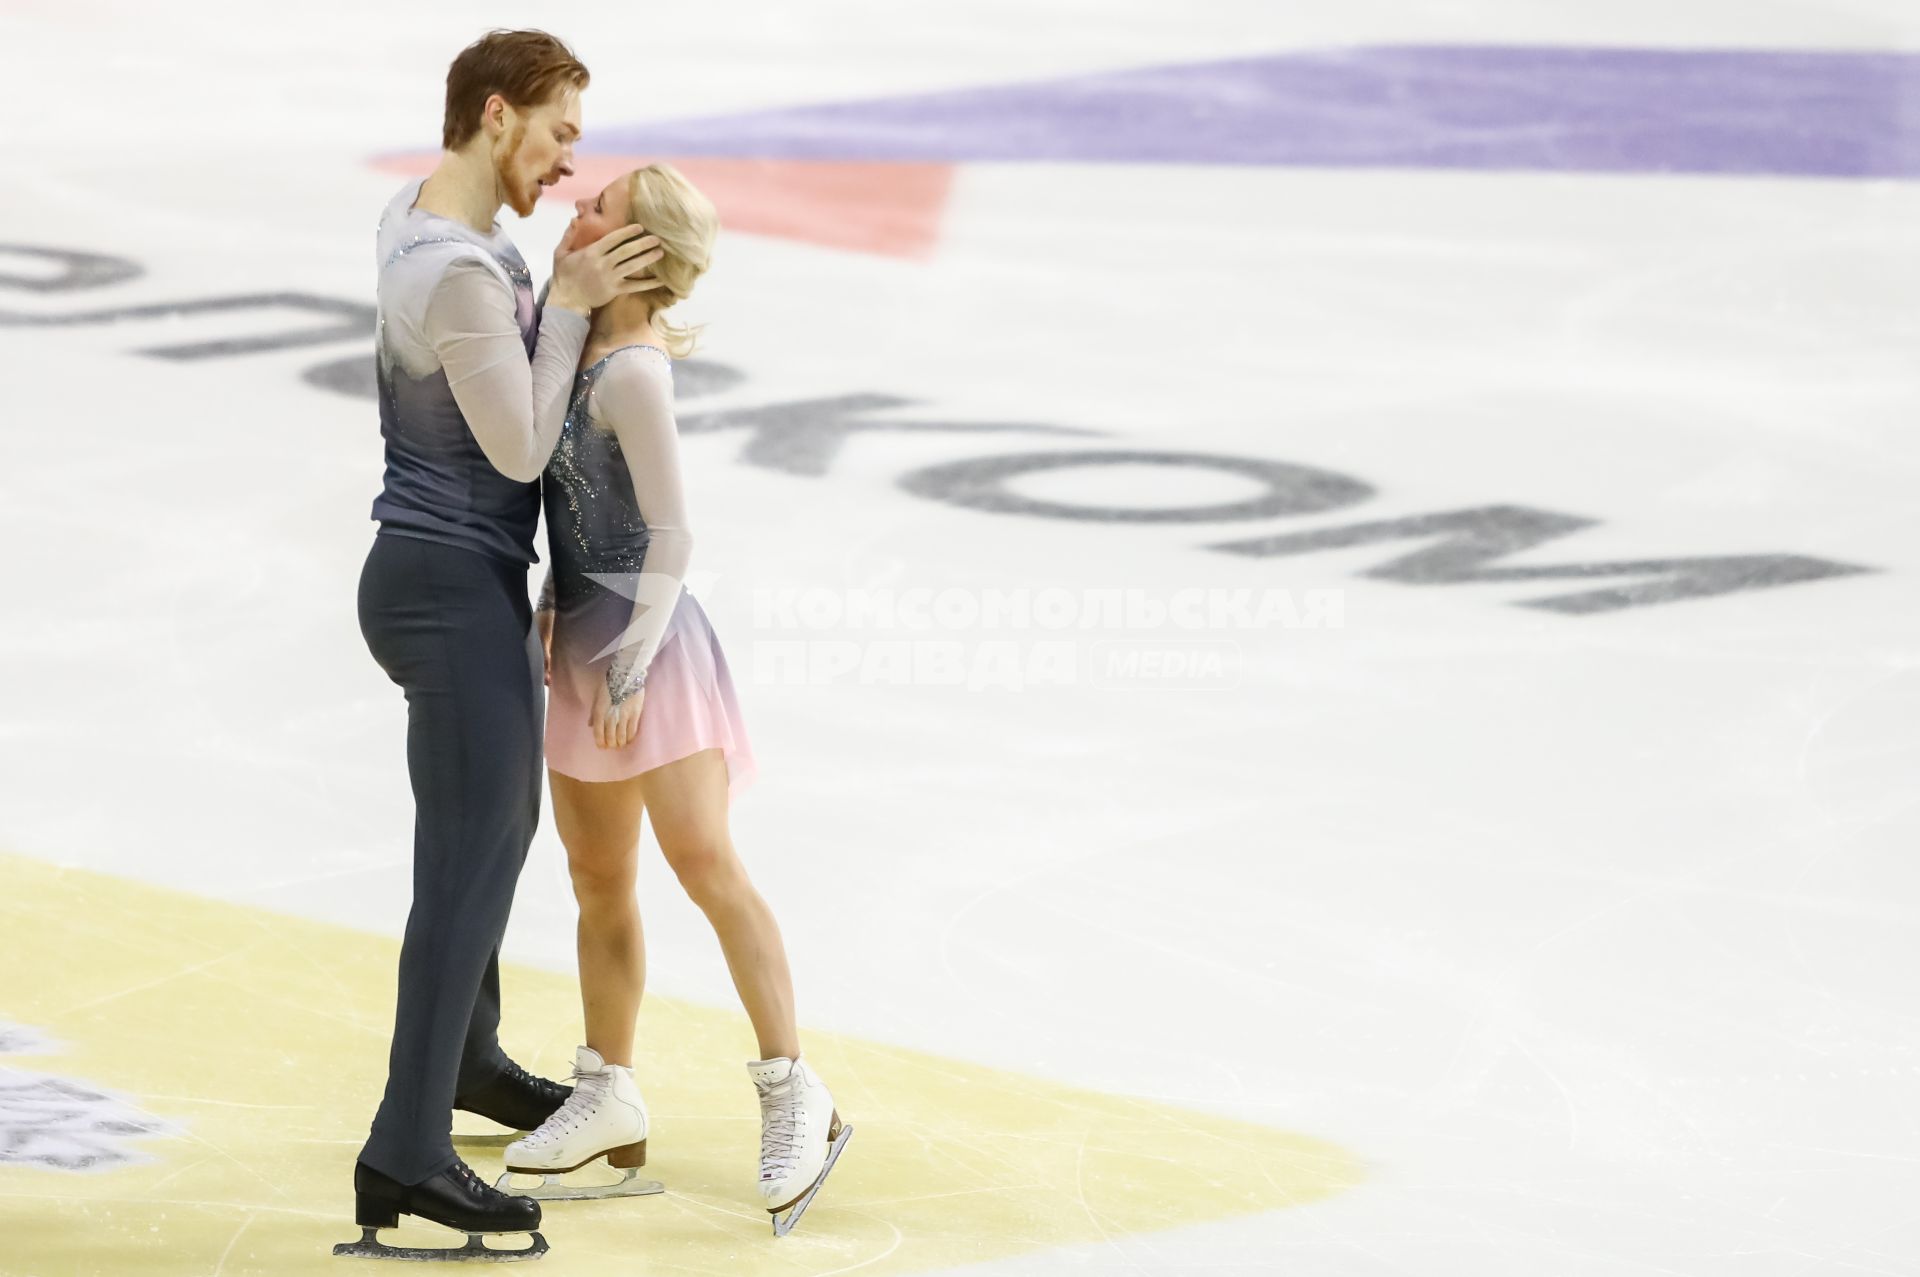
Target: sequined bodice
{"x": 594, "y": 521}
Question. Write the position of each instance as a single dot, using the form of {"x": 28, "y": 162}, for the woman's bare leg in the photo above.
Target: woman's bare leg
{"x": 599, "y": 824}
{"x": 688, "y": 799}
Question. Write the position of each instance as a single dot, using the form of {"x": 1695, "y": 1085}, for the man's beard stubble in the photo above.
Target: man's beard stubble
{"x": 504, "y": 165}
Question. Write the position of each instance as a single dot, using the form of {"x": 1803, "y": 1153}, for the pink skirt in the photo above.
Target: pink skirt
{"x": 690, "y": 703}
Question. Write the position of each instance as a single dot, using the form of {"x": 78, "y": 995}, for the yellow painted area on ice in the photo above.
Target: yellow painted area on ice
{"x": 262, "y": 1039}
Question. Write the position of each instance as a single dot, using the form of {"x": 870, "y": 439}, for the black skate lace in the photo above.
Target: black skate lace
{"x": 524, "y": 1078}
{"x": 484, "y": 1190}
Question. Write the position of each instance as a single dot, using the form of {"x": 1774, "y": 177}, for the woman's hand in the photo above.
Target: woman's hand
{"x": 614, "y": 727}
{"x": 612, "y": 266}
{"x": 544, "y": 619}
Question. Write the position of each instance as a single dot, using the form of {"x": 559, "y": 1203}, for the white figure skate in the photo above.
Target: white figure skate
{"x": 604, "y": 1117}
{"x": 801, "y": 1136}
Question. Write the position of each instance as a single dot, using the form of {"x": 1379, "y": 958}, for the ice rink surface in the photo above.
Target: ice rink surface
{"x": 1550, "y": 852}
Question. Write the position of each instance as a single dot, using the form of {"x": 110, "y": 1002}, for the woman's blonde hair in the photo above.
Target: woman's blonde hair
{"x": 670, "y": 206}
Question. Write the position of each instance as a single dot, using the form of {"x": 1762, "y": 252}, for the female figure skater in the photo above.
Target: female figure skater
{"x": 642, "y": 716}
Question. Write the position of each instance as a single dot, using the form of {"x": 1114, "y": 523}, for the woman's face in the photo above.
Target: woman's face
{"x": 596, "y": 215}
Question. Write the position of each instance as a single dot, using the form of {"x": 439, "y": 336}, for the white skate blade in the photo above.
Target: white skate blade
{"x": 783, "y": 1222}
{"x": 554, "y": 1187}
{"x": 371, "y": 1247}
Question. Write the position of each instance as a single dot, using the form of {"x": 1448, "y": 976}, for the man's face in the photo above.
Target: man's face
{"x": 535, "y": 149}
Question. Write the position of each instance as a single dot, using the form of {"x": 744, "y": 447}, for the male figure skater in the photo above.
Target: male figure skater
{"x": 474, "y": 379}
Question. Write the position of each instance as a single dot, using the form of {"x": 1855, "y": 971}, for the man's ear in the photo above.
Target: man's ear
{"x": 494, "y": 113}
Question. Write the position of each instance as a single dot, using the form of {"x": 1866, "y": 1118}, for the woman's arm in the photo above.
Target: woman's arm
{"x": 635, "y": 396}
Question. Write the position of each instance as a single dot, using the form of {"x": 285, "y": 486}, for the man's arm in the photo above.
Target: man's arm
{"x": 515, "y": 409}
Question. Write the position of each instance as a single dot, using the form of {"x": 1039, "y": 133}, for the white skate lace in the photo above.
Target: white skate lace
{"x": 779, "y": 1131}
{"x": 586, "y": 1089}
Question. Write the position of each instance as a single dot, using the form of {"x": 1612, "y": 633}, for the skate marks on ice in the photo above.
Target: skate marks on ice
{"x": 59, "y": 1123}
{"x": 263, "y": 1039}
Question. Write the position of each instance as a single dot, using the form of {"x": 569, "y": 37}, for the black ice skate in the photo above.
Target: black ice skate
{"x": 456, "y": 1198}
{"x": 515, "y": 1098}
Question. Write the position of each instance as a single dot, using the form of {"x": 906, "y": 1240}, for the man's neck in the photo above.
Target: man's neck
{"x": 463, "y": 188}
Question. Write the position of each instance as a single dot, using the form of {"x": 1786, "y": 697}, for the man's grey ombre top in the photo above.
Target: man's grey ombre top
{"x": 470, "y": 403}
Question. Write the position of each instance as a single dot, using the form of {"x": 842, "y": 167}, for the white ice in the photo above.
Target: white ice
{"x": 1594, "y": 937}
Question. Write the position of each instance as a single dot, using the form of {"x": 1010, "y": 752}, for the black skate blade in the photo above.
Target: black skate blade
{"x": 371, "y": 1247}
{"x": 783, "y": 1222}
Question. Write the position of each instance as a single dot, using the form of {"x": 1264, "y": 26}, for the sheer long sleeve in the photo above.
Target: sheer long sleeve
{"x": 635, "y": 396}
{"x": 514, "y": 408}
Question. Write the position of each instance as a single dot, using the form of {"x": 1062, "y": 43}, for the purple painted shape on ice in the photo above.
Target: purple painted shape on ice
{"x": 1816, "y": 114}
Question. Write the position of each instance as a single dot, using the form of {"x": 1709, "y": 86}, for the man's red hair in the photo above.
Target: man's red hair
{"x": 527, "y": 68}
